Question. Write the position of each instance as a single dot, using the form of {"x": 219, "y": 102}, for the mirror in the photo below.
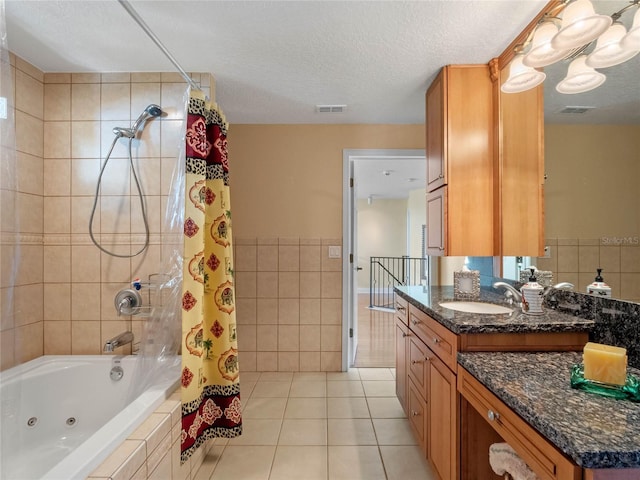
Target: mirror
{"x": 592, "y": 163}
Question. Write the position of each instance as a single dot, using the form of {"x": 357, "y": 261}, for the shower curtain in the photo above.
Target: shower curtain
{"x": 210, "y": 384}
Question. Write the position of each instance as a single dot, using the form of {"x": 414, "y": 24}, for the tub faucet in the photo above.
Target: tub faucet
{"x": 118, "y": 341}
{"x": 510, "y": 292}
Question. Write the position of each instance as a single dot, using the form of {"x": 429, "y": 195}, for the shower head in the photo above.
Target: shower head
{"x": 151, "y": 111}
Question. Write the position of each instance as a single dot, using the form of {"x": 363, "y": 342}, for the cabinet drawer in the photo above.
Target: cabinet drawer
{"x": 437, "y": 338}
{"x": 418, "y": 416}
{"x": 541, "y": 456}
{"x": 419, "y": 356}
{"x": 402, "y": 309}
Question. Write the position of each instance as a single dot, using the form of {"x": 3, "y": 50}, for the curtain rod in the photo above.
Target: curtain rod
{"x": 127, "y": 6}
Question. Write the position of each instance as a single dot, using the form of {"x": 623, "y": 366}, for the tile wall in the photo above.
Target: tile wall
{"x": 576, "y": 260}
{"x": 289, "y": 304}
{"x": 63, "y": 300}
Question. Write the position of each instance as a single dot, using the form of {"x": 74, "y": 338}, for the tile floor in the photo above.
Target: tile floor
{"x": 324, "y": 426}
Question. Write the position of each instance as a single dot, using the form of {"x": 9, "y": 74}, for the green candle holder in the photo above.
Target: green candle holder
{"x": 629, "y": 391}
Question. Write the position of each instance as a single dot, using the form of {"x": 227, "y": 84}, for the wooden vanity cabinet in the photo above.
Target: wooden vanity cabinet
{"x": 459, "y": 150}
{"x": 402, "y": 379}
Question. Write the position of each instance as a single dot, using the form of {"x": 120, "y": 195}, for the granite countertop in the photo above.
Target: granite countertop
{"x": 428, "y": 299}
{"x": 595, "y": 431}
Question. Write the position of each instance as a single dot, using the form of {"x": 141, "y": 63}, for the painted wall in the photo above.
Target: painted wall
{"x": 382, "y": 232}
{"x": 417, "y": 207}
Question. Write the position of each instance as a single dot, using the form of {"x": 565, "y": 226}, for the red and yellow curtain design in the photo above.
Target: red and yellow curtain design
{"x": 210, "y": 385}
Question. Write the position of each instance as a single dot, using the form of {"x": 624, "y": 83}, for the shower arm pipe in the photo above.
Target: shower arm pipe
{"x": 138, "y": 19}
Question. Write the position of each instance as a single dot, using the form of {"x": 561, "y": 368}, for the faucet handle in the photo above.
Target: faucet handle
{"x": 128, "y": 301}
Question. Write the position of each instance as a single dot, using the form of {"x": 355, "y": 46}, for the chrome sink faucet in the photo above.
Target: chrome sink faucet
{"x": 118, "y": 341}
{"x": 510, "y": 292}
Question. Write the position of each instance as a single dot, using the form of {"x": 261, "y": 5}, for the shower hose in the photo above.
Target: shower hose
{"x": 140, "y": 196}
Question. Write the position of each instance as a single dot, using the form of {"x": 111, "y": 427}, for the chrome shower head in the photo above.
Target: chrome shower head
{"x": 152, "y": 110}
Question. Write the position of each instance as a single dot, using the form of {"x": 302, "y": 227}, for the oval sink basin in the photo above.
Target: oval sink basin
{"x": 476, "y": 307}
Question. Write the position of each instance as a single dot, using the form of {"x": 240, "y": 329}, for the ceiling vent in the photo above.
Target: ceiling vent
{"x": 576, "y": 110}
{"x": 331, "y": 108}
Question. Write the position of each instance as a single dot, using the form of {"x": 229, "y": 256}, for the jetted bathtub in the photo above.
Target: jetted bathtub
{"x": 61, "y": 416}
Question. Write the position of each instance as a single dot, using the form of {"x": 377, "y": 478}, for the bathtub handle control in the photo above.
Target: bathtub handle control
{"x": 116, "y": 373}
{"x": 128, "y": 302}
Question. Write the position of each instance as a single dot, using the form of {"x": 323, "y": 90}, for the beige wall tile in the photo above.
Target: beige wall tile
{"x": 610, "y": 259}
{"x": 309, "y": 338}
{"x": 85, "y": 77}
{"x": 84, "y": 176}
{"x": 310, "y": 284}
{"x": 142, "y": 95}
{"x": 85, "y": 139}
{"x": 588, "y": 258}
{"x": 148, "y": 170}
{"x": 147, "y": 263}
{"x": 153, "y": 211}
{"x": 130, "y": 455}
{"x": 85, "y": 264}
{"x": 567, "y": 258}
{"x": 630, "y": 259}
{"x": 288, "y": 361}
{"x": 58, "y": 177}
{"x": 115, "y": 217}
{"x": 153, "y": 430}
{"x": 630, "y": 286}
{"x": 248, "y": 361}
{"x": 567, "y": 241}
{"x": 310, "y": 260}
{"x": 267, "y": 283}
{"x": 57, "y": 301}
{"x": 114, "y": 269}
{"x": 108, "y": 293}
{"x": 57, "y": 264}
{"x": 289, "y": 258}
{"x": 85, "y": 101}
{"x": 310, "y": 311}
{"x": 29, "y": 342}
{"x": 267, "y": 362}
{"x": 247, "y": 338}
{"x": 57, "y": 215}
{"x": 288, "y": 284}
{"x": 246, "y": 258}
{"x": 7, "y": 349}
{"x": 85, "y": 338}
{"x": 84, "y": 301}
{"x": 115, "y": 77}
{"x": 29, "y": 96}
{"x": 330, "y": 361}
{"x": 331, "y": 285}
{"x": 309, "y": 361}
{"x": 145, "y": 77}
{"x": 57, "y": 337}
{"x": 171, "y": 98}
{"x": 57, "y": 139}
{"x": 116, "y": 177}
{"x": 26, "y": 67}
{"x": 57, "y": 101}
{"x": 246, "y": 311}
{"x": 246, "y": 284}
{"x": 28, "y": 307}
{"x": 149, "y": 140}
{"x": 330, "y": 338}
{"x": 267, "y": 310}
{"x": 289, "y": 311}
{"x": 29, "y": 264}
{"x": 331, "y": 311}
{"x": 30, "y": 210}
{"x": 288, "y": 338}
{"x": 267, "y": 258}
{"x": 171, "y": 77}
{"x": 267, "y": 338}
{"x": 57, "y": 78}
{"x": 171, "y": 131}
{"x": 159, "y": 461}
{"x": 81, "y": 213}
{"x": 29, "y": 134}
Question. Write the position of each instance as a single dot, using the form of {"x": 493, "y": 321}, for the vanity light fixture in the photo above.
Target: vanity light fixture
{"x": 555, "y": 39}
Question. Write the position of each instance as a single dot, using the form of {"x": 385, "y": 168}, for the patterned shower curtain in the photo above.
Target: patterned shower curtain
{"x": 210, "y": 384}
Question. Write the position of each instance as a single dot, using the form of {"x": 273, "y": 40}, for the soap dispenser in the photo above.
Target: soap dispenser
{"x": 598, "y": 287}
{"x": 532, "y": 295}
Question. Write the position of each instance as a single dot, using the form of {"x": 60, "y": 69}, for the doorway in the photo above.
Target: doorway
{"x": 379, "y": 168}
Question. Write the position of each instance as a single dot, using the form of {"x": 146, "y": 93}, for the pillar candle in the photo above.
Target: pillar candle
{"x": 605, "y": 363}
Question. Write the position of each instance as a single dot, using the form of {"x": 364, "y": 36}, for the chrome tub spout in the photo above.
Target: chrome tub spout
{"x": 118, "y": 341}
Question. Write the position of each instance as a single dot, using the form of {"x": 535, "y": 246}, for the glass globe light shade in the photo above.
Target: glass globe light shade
{"x": 609, "y": 51}
{"x": 542, "y": 53}
{"x": 631, "y": 40}
{"x": 580, "y": 25}
{"x": 580, "y": 77}
{"x": 521, "y": 77}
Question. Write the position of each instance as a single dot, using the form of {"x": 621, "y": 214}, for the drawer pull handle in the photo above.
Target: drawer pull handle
{"x": 413, "y": 362}
{"x": 492, "y": 416}
{"x": 404, "y": 335}
{"x": 436, "y": 340}
{"x": 441, "y": 176}
{"x": 428, "y": 359}
{"x": 414, "y": 413}
{"x": 400, "y": 308}
{"x": 414, "y": 321}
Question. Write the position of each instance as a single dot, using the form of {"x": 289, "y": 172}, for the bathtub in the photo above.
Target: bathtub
{"x": 61, "y": 416}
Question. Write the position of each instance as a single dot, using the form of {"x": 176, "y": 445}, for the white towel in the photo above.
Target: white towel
{"x": 503, "y": 459}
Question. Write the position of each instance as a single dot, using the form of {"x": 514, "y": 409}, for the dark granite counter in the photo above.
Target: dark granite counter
{"x": 595, "y": 431}
{"x": 427, "y": 299}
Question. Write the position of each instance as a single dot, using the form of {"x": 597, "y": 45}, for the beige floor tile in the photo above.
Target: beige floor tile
{"x": 309, "y": 377}
{"x": 385, "y": 407}
{"x": 345, "y": 389}
{"x": 393, "y": 431}
{"x": 276, "y": 377}
{"x": 357, "y": 431}
{"x": 271, "y": 389}
{"x": 247, "y": 463}
{"x": 264, "y": 407}
{"x": 406, "y": 463}
{"x": 258, "y": 431}
{"x": 298, "y": 463}
{"x": 347, "y": 407}
{"x": 308, "y": 389}
{"x": 306, "y": 408}
{"x": 249, "y": 377}
{"x": 352, "y": 375}
{"x": 355, "y": 463}
{"x": 209, "y": 463}
{"x": 246, "y": 389}
{"x": 303, "y": 432}
{"x": 375, "y": 374}
{"x": 379, "y": 388}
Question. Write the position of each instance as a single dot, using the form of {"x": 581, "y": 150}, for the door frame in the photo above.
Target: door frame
{"x": 349, "y": 274}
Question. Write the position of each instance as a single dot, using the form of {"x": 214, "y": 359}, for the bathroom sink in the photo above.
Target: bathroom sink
{"x": 476, "y": 307}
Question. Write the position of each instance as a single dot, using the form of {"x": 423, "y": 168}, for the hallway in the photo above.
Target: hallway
{"x": 376, "y": 341}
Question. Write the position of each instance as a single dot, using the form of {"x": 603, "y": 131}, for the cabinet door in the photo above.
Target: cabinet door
{"x": 442, "y": 435}
{"x": 437, "y": 222}
{"x": 402, "y": 341}
{"x": 436, "y": 132}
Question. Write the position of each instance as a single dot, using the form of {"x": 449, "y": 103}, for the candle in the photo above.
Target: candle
{"x": 605, "y": 363}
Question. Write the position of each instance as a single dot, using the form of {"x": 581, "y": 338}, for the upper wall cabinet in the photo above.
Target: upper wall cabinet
{"x": 460, "y": 157}
{"x": 520, "y": 129}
